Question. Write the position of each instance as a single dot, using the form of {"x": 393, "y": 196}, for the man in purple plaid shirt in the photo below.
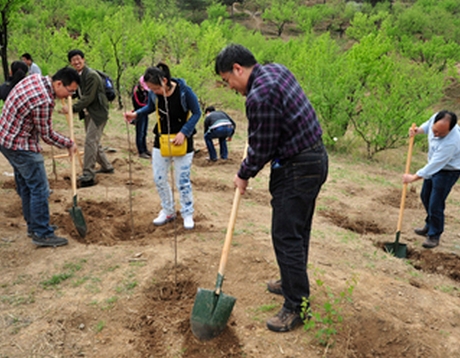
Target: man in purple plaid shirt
{"x": 26, "y": 116}
{"x": 283, "y": 130}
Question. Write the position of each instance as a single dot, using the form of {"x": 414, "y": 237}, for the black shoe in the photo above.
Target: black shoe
{"x": 274, "y": 286}
{"x": 86, "y": 183}
{"x": 145, "y": 155}
{"x": 30, "y": 233}
{"x": 50, "y": 241}
{"x": 430, "y": 243}
{"x": 421, "y": 232}
{"x": 284, "y": 321}
{"x": 105, "y": 171}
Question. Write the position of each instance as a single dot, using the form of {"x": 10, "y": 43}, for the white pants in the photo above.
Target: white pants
{"x": 161, "y": 166}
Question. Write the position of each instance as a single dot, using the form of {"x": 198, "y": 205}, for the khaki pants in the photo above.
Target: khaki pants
{"x": 93, "y": 149}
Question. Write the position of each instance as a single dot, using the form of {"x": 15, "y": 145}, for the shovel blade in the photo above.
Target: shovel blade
{"x": 210, "y": 313}
{"x": 79, "y": 220}
{"x": 396, "y": 249}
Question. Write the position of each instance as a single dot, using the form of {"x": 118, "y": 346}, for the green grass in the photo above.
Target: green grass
{"x": 14, "y": 300}
{"x": 259, "y": 313}
{"x": 100, "y": 326}
{"x": 56, "y": 279}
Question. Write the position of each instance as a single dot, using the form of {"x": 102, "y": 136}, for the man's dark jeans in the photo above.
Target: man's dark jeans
{"x": 434, "y": 194}
{"x": 32, "y": 187}
{"x": 294, "y": 186}
{"x": 142, "y": 123}
{"x": 222, "y": 133}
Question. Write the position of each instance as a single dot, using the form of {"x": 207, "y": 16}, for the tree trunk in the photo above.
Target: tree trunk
{"x": 4, "y": 44}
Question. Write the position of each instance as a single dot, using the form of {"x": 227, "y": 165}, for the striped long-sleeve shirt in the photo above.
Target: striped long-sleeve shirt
{"x": 282, "y": 122}
{"x": 26, "y": 116}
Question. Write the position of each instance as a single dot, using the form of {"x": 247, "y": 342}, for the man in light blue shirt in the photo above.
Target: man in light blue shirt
{"x": 439, "y": 174}
{"x": 33, "y": 67}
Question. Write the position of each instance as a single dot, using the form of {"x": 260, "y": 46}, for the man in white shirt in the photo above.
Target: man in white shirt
{"x": 439, "y": 174}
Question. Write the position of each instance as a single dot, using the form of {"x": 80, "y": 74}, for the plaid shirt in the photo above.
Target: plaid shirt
{"x": 26, "y": 116}
{"x": 282, "y": 122}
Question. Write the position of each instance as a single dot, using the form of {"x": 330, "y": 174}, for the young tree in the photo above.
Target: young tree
{"x": 118, "y": 46}
{"x": 389, "y": 93}
{"x": 280, "y": 13}
{"x": 181, "y": 38}
{"x": 319, "y": 66}
{"x": 9, "y": 9}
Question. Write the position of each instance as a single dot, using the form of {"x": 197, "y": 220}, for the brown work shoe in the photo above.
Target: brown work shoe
{"x": 284, "y": 321}
{"x": 274, "y": 286}
{"x": 430, "y": 243}
{"x": 421, "y": 231}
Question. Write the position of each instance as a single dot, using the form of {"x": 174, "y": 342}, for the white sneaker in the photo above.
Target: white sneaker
{"x": 188, "y": 222}
{"x": 162, "y": 218}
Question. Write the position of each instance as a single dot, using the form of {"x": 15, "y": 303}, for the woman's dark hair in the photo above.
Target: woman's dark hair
{"x": 18, "y": 72}
{"x": 232, "y": 54}
{"x": 444, "y": 114}
{"x": 155, "y": 75}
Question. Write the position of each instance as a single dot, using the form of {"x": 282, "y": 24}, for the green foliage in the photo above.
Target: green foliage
{"x": 372, "y": 87}
{"x": 280, "y": 13}
{"x": 8, "y": 15}
{"x": 151, "y": 36}
{"x": 82, "y": 19}
{"x": 387, "y": 93}
{"x": 427, "y": 18}
{"x": 363, "y": 25}
{"x": 319, "y": 67}
{"x": 180, "y": 39}
{"x": 436, "y": 52}
{"x": 327, "y": 320}
{"x": 155, "y": 9}
{"x": 217, "y": 11}
{"x": 307, "y": 18}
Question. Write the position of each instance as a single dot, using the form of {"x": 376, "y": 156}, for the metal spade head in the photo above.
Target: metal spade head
{"x": 210, "y": 313}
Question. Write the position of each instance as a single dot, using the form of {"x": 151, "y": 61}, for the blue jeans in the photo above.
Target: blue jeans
{"x": 294, "y": 186}
{"x": 222, "y": 133}
{"x": 434, "y": 194}
{"x": 32, "y": 187}
{"x": 142, "y": 123}
{"x": 182, "y": 165}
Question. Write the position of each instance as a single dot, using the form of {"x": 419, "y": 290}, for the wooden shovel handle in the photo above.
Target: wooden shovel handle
{"x": 230, "y": 228}
{"x": 70, "y": 120}
{"x": 67, "y": 116}
{"x": 407, "y": 171}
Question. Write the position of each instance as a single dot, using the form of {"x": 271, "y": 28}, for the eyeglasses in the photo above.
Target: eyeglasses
{"x": 225, "y": 79}
{"x": 71, "y": 92}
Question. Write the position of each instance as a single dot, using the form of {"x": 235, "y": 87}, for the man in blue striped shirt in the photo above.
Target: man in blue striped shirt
{"x": 283, "y": 130}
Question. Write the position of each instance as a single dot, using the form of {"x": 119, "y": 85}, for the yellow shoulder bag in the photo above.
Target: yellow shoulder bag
{"x": 167, "y": 148}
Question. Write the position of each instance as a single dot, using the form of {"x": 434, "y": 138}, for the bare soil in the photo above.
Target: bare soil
{"x": 128, "y": 290}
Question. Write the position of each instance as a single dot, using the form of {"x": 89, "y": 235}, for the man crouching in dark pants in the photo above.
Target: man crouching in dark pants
{"x": 284, "y": 130}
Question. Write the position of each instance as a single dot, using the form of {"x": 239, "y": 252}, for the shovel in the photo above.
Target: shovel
{"x": 395, "y": 248}
{"x": 67, "y": 116}
{"x": 75, "y": 211}
{"x": 212, "y": 309}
